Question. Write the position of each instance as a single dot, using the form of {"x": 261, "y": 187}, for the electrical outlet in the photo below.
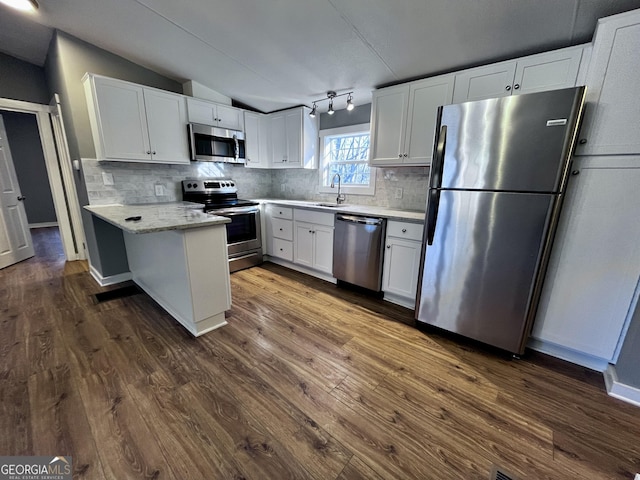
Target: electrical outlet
{"x": 107, "y": 178}
{"x": 398, "y": 194}
{"x": 282, "y": 187}
{"x": 159, "y": 190}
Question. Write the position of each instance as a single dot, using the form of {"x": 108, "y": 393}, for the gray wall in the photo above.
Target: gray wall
{"x": 67, "y": 62}
{"x": 28, "y": 159}
{"x": 628, "y": 366}
{"x": 22, "y": 81}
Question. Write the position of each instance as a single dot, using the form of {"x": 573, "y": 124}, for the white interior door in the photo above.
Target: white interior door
{"x": 15, "y": 238}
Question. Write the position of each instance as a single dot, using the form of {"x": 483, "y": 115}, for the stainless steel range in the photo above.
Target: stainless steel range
{"x": 220, "y": 197}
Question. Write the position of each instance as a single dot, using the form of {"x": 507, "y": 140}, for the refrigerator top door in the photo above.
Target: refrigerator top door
{"x": 520, "y": 143}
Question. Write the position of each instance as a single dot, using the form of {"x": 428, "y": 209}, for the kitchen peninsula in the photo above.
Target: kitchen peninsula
{"x": 178, "y": 255}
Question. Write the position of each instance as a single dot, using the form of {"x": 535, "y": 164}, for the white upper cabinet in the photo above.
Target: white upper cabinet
{"x": 136, "y": 124}
{"x": 256, "y": 136}
{"x": 289, "y": 138}
{"x": 403, "y": 121}
{"x": 612, "y": 113}
{"x": 214, "y": 114}
{"x": 535, "y": 73}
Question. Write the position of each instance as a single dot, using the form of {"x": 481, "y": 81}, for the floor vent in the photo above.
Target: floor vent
{"x": 499, "y": 473}
{"x": 116, "y": 293}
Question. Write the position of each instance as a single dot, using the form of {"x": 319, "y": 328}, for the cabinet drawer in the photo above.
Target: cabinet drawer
{"x": 283, "y": 249}
{"x": 410, "y": 231}
{"x": 281, "y": 228}
{"x": 315, "y": 217}
{"x": 276, "y": 211}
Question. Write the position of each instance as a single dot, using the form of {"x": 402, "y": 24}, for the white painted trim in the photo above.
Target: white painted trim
{"x": 301, "y": 269}
{"x": 409, "y": 303}
{"x": 346, "y": 189}
{"x": 43, "y": 224}
{"x": 110, "y": 280}
{"x": 42, "y": 113}
{"x": 573, "y": 356}
{"x": 618, "y": 390}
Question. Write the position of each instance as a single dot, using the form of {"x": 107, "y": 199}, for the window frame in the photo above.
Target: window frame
{"x": 347, "y": 189}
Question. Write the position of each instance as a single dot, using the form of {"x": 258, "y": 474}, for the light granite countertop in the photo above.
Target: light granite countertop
{"x": 156, "y": 217}
{"x": 367, "y": 210}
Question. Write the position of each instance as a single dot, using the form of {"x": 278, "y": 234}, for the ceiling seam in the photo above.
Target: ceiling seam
{"x": 205, "y": 42}
{"x": 362, "y": 38}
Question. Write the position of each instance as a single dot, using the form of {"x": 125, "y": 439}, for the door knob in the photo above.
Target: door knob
{"x": 21, "y": 198}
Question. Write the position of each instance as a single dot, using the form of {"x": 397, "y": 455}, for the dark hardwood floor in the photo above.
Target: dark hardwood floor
{"x": 307, "y": 381}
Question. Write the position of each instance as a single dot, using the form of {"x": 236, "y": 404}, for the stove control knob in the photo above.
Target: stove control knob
{"x": 195, "y": 185}
{"x": 188, "y": 185}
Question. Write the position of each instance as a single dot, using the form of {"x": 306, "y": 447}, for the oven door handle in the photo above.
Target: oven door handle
{"x": 229, "y": 212}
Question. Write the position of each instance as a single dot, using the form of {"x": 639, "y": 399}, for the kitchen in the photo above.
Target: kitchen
{"x": 410, "y": 179}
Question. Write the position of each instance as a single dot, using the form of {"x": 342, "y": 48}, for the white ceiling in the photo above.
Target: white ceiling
{"x": 273, "y": 54}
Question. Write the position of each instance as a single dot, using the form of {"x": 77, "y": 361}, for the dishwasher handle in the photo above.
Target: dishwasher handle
{"x": 358, "y": 219}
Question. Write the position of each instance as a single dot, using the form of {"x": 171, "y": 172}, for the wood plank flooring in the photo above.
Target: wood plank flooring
{"x": 308, "y": 381}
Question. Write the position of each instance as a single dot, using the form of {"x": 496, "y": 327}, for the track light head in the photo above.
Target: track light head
{"x": 312, "y": 113}
{"x": 350, "y": 105}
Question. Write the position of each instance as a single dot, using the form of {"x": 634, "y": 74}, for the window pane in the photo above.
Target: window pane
{"x": 347, "y": 155}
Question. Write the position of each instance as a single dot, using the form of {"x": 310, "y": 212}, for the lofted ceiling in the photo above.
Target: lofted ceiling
{"x": 273, "y": 54}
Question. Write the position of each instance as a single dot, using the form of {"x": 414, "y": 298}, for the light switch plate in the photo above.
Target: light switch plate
{"x": 398, "y": 194}
{"x": 159, "y": 190}
{"x": 107, "y": 178}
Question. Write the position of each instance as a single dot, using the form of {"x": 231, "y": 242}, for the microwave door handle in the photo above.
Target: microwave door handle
{"x": 236, "y": 150}
{"x": 192, "y": 142}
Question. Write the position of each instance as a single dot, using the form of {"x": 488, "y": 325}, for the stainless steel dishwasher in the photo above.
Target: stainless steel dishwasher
{"x": 357, "y": 250}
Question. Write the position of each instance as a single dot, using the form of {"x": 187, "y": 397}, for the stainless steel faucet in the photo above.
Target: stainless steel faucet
{"x": 341, "y": 197}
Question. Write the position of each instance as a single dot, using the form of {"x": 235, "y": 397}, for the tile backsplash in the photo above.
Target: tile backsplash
{"x": 136, "y": 183}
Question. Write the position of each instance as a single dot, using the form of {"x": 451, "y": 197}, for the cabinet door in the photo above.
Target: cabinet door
{"x": 401, "y": 265}
{"x": 323, "y": 248}
{"x": 293, "y": 127}
{"x": 201, "y": 112}
{"x": 491, "y": 81}
{"x": 595, "y": 263}
{"x": 424, "y": 99}
{"x": 548, "y": 71}
{"x": 612, "y": 113}
{"x": 278, "y": 139}
{"x": 167, "y": 120}
{"x": 121, "y": 121}
{"x": 253, "y": 138}
{"x": 303, "y": 244}
{"x": 388, "y": 125}
{"x": 229, "y": 117}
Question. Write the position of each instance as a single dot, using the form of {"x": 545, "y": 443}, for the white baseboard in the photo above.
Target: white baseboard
{"x": 43, "y": 224}
{"x": 110, "y": 280}
{"x": 618, "y": 390}
{"x": 558, "y": 351}
{"x": 301, "y": 269}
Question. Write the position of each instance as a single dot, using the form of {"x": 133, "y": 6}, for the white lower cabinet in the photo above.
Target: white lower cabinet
{"x": 279, "y": 223}
{"x": 591, "y": 286}
{"x": 402, "y": 262}
{"x": 313, "y": 240}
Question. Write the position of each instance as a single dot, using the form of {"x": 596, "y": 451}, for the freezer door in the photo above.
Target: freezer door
{"x": 478, "y": 274}
{"x": 519, "y": 143}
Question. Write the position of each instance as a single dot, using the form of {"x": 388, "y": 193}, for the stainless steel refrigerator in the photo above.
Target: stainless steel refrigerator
{"x": 496, "y": 187}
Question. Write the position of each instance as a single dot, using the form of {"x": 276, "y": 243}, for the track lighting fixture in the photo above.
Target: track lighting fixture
{"x": 330, "y": 96}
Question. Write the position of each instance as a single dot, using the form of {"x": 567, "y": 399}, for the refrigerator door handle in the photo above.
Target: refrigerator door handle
{"x": 436, "y": 183}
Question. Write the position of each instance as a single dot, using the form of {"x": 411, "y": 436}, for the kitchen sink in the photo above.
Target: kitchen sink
{"x": 332, "y": 205}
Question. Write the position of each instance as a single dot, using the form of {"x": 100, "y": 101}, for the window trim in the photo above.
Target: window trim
{"x": 369, "y": 190}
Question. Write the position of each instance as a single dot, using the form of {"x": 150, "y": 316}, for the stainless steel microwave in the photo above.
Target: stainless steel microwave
{"x": 214, "y": 144}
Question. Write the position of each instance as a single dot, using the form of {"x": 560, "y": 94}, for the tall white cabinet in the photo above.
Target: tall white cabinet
{"x": 592, "y": 284}
{"x": 133, "y": 123}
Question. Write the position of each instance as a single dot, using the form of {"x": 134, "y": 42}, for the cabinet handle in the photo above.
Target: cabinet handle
{"x": 516, "y": 86}
{"x": 404, "y": 230}
{"x": 148, "y": 152}
{"x": 405, "y": 155}
{"x": 310, "y": 231}
{"x": 153, "y": 153}
{"x": 280, "y": 249}
{"x": 575, "y": 172}
{"x": 280, "y": 229}
{"x": 399, "y": 155}
{"x": 21, "y": 198}
{"x": 582, "y": 141}
{"x": 388, "y": 246}
{"x": 508, "y": 88}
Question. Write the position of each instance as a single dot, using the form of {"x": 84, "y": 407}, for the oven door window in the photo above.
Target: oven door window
{"x": 209, "y": 146}
{"x": 242, "y": 228}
